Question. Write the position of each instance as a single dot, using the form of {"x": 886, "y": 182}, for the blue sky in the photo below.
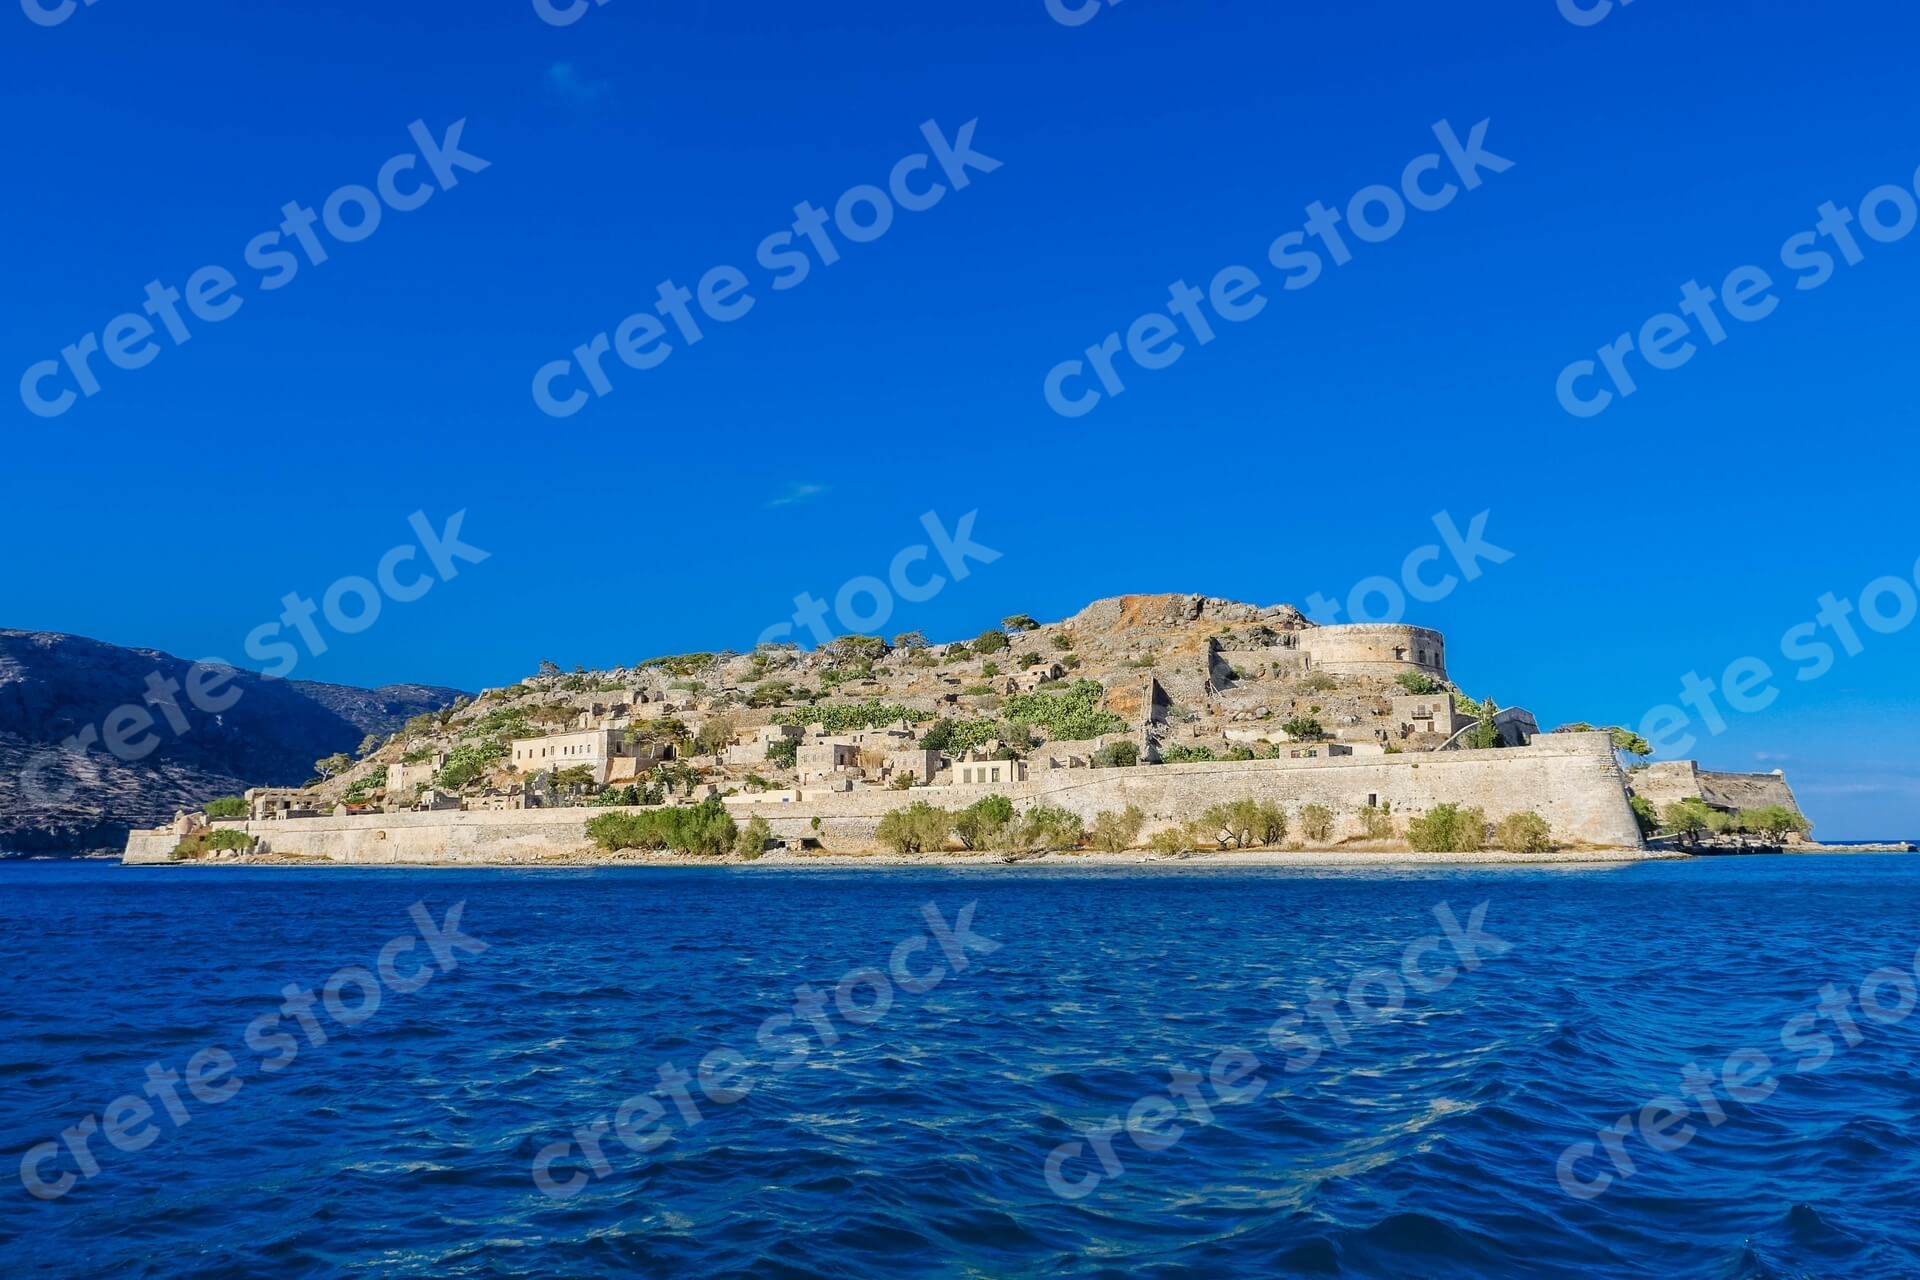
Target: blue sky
{"x": 795, "y": 448}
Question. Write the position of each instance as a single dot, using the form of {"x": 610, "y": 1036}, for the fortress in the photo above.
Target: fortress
{"x": 1167, "y": 704}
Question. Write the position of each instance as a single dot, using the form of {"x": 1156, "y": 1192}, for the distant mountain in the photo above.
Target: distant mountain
{"x": 52, "y": 686}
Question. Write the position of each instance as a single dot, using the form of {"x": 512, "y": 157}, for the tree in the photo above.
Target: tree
{"x": 1316, "y": 822}
{"x": 784, "y": 752}
{"x": 370, "y": 744}
{"x": 1645, "y": 815}
{"x": 225, "y": 807}
{"x": 1303, "y": 729}
{"x": 1624, "y": 740}
{"x": 1486, "y": 733}
{"x": 982, "y": 822}
{"x": 1376, "y": 821}
{"x": 990, "y": 642}
{"x": 1692, "y": 818}
{"x": 1775, "y": 822}
{"x": 1019, "y": 622}
{"x": 548, "y": 667}
{"x": 917, "y": 828}
{"x": 857, "y": 650}
{"x": 1116, "y": 755}
{"x": 910, "y": 640}
{"x": 715, "y": 736}
{"x": 1117, "y": 832}
{"x": 1418, "y": 684}
{"x": 1046, "y": 827}
{"x": 337, "y": 763}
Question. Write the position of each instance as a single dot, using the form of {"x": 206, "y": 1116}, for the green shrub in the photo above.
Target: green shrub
{"x": 1303, "y": 729}
{"x": 1240, "y": 752}
{"x": 983, "y": 823}
{"x": 1116, "y": 755}
{"x": 362, "y": 787}
{"x": 1774, "y": 822}
{"x": 871, "y": 714}
{"x": 918, "y": 828}
{"x": 229, "y": 839}
{"x": 1061, "y": 640}
{"x": 1645, "y": 815}
{"x": 1316, "y": 822}
{"x": 468, "y": 762}
{"x": 1185, "y": 753}
{"x": 784, "y": 752}
{"x": 1030, "y": 660}
{"x": 1690, "y": 819}
{"x": 1376, "y": 821}
{"x": 1117, "y": 832}
{"x": 990, "y": 641}
{"x": 706, "y": 828}
{"x": 753, "y": 838}
{"x": 225, "y": 807}
{"x": 1319, "y": 682}
{"x": 1047, "y": 827}
{"x": 1175, "y": 839}
{"x": 1070, "y": 714}
{"x": 1525, "y": 832}
{"x": 1417, "y": 684}
{"x": 1447, "y": 828}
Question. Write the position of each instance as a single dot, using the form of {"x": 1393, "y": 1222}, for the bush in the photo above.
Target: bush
{"x": 468, "y": 762}
{"x": 1183, "y": 753}
{"x": 706, "y": 828}
{"x": 1047, "y": 827}
{"x": 1169, "y": 840}
{"x": 753, "y": 838}
{"x": 1376, "y": 821}
{"x": 1117, "y": 832}
{"x": 1116, "y": 755}
{"x": 1062, "y": 641}
{"x": 784, "y": 752}
{"x": 1690, "y": 819}
{"x": 871, "y": 714}
{"x": 983, "y": 822}
{"x": 1316, "y": 822}
{"x": 1447, "y": 828}
{"x": 715, "y": 736}
{"x": 1319, "y": 682}
{"x": 1415, "y": 683}
{"x": 1525, "y": 832}
{"x": 1303, "y": 728}
{"x": 917, "y": 828}
{"x": 1030, "y": 660}
{"x": 1019, "y": 622}
{"x": 225, "y": 807}
{"x": 362, "y": 787}
{"x": 990, "y": 642}
{"x": 989, "y": 669}
{"x": 229, "y": 839}
{"x": 1070, "y": 714}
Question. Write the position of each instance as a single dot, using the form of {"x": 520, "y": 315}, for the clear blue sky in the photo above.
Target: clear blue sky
{"x": 790, "y": 450}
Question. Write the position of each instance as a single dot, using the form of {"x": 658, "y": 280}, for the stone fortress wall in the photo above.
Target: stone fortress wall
{"x": 1571, "y": 779}
{"x": 1375, "y": 649}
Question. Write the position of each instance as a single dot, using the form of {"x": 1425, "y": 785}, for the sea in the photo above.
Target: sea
{"x": 1701, "y": 1068}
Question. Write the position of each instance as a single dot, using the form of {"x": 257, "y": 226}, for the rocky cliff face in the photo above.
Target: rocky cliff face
{"x": 52, "y": 686}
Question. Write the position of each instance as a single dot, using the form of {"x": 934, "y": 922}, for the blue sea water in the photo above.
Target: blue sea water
{"x": 916, "y": 1144}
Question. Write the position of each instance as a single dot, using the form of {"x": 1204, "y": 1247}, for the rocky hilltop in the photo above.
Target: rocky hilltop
{"x": 52, "y": 686}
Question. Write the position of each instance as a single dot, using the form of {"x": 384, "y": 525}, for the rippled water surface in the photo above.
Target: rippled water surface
{"x": 1426, "y": 1145}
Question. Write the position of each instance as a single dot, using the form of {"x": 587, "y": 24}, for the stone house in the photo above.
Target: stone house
{"x": 594, "y": 748}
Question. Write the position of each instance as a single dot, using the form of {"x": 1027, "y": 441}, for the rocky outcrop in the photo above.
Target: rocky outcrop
{"x": 52, "y": 686}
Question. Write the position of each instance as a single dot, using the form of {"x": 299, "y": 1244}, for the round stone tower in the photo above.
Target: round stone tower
{"x": 1375, "y": 649}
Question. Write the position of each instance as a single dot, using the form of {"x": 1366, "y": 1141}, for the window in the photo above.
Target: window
{"x": 1399, "y": 655}
{"x": 996, "y": 775}
{"x": 966, "y": 775}
{"x": 1373, "y": 800}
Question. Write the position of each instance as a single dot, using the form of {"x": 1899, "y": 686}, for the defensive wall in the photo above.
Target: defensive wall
{"x": 1665, "y": 781}
{"x": 1571, "y": 779}
{"x": 1376, "y": 649}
